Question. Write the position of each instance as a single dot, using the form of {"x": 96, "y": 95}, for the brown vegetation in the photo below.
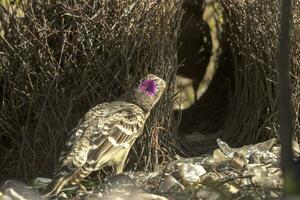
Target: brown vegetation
{"x": 63, "y": 57}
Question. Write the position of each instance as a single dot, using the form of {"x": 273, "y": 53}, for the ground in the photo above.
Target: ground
{"x": 249, "y": 172}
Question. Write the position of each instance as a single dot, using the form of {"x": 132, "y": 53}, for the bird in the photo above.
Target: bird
{"x": 105, "y": 134}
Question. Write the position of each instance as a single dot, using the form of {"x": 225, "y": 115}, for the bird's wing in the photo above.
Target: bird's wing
{"x": 104, "y": 129}
{"x": 119, "y": 133}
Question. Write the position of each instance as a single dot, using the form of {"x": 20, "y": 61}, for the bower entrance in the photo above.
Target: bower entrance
{"x": 239, "y": 105}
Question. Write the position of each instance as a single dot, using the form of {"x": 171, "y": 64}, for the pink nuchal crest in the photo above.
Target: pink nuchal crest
{"x": 149, "y": 87}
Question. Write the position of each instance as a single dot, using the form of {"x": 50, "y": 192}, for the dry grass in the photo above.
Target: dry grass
{"x": 251, "y": 34}
{"x": 63, "y": 57}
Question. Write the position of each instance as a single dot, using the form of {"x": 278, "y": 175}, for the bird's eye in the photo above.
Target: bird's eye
{"x": 157, "y": 89}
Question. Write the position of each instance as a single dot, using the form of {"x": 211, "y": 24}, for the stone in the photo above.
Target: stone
{"x": 219, "y": 156}
{"x": 170, "y": 184}
{"x": 191, "y": 172}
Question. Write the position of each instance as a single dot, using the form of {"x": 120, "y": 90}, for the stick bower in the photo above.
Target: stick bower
{"x": 60, "y": 58}
{"x": 240, "y": 104}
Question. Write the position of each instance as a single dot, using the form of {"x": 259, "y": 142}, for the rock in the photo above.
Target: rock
{"x": 258, "y": 171}
{"x": 263, "y": 157}
{"x": 120, "y": 180}
{"x": 273, "y": 182}
{"x": 170, "y": 184}
{"x": 274, "y": 195}
{"x": 247, "y": 149}
{"x": 225, "y": 148}
{"x": 219, "y": 156}
{"x": 208, "y": 178}
{"x": 254, "y": 158}
{"x": 209, "y": 161}
{"x": 228, "y": 191}
{"x": 264, "y": 146}
{"x": 131, "y": 195}
{"x": 190, "y": 172}
{"x": 231, "y": 188}
{"x": 41, "y": 182}
{"x": 93, "y": 196}
{"x": 147, "y": 196}
{"x": 62, "y": 196}
{"x": 276, "y": 150}
{"x": 208, "y": 194}
{"x": 274, "y": 171}
{"x": 238, "y": 160}
{"x": 12, "y": 190}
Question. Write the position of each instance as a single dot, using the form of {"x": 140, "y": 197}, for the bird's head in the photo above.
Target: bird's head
{"x": 147, "y": 93}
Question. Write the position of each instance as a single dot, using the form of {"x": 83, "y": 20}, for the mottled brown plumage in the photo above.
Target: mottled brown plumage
{"x": 105, "y": 134}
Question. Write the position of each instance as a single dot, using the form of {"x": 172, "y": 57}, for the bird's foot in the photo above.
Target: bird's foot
{"x": 82, "y": 189}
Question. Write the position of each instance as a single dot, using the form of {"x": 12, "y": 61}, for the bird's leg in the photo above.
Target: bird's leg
{"x": 98, "y": 174}
{"x": 82, "y": 188}
{"x": 119, "y": 163}
{"x": 55, "y": 186}
{"x": 118, "y": 168}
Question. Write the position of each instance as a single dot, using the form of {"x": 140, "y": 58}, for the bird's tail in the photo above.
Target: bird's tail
{"x": 65, "y": 178}
{"x": 56, "y": 185}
